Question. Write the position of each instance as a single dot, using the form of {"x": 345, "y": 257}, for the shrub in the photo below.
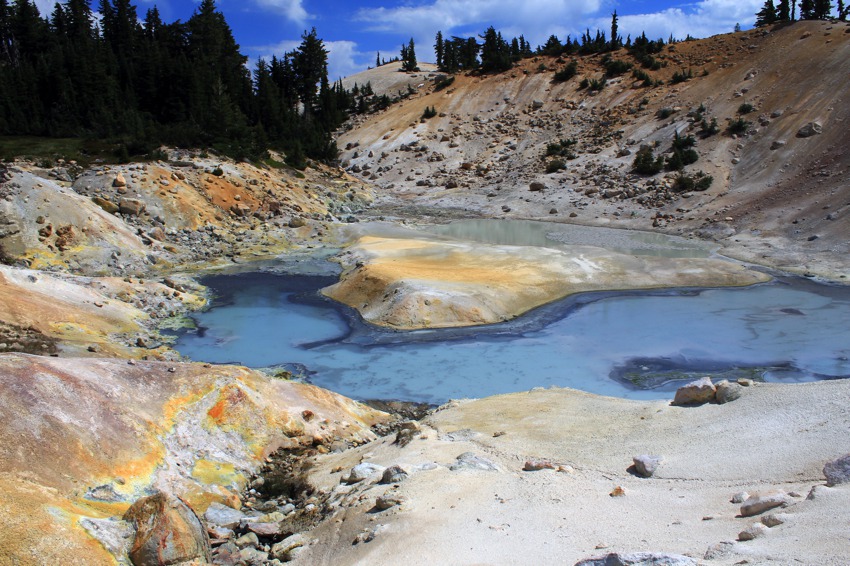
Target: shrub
{"x": 645, "y": 161}
{"x": 746, "y": 108}
{"x": 566, "y": 73}
{"x": 699, "y": 181}
{"x": 443, "y": 82}
{"x": 681, "y": 76}
{"x": 616, "y": 67}
{"x": 429, "y": 112}
{"x": 737, "y": 126}
{"x": 561, "y": 148}
{"x": 585, "y": 82}
{"x": 683, "y": 153}
{"x": 555, "y": 165}
{"x": 664, "y": 113}
{"x": 597, "y": 84}
{"x": 709, "y": 128}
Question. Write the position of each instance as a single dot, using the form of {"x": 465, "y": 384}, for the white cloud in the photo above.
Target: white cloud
{"x": 449, "y": 15}
{"x": 702, "y": 19}
{"x": 292, "y": 9}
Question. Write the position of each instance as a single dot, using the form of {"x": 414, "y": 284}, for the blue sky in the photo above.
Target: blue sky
{"x": 355, "y": 30}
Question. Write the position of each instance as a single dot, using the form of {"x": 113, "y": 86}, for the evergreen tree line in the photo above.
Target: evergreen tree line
{"x": 151, "y": 83}
{"x": 495, "y": 54}
{"x": 786, "y": 11}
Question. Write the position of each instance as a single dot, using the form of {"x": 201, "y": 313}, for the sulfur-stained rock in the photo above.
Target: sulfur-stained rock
{"x": 105, "y": 204}
{"x": 131, "y": 206}
{"x": 695, "y": 393}
{"x": 167, "y": 532}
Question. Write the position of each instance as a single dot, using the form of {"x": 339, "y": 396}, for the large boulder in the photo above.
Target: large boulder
{"x": 695, "y": 393}
{"x": 131, "y": 206}
{"x": 167, "y": 532}
{"x": 837, "y": 471}
{"x": 809, "y": 130}
{"x": 760, "y": 502}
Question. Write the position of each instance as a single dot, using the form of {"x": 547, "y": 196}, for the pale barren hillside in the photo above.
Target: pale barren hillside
{"x": 776, "y": 196}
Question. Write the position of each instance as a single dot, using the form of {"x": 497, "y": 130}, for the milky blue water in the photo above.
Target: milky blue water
{"x": 789, "y": 330}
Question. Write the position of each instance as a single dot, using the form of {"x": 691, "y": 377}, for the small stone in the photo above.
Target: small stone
{"x": 745, "y": 382}
{"x": 645, "y": 465}
{"x": 618, "y": 491}
{"x": 536, "y": 186}
{"x": 740, "y": 497}
{"x": 761, "y": 502}
{"x": 471, "y": 461}
{"x": 387, "y": 501}
{"x": 248, "y": 539}
{"x": 265, "y": 529}
{"x": 752, "y": 532}
{"x": 774, "y": 519}
{"x": 119, "y": 181}
{"x": 727, "y": 392}
{"x": 284, "y": 549}
{"x": 837, "y": 471}
{"x": 536, "y": 465}
{"x": 394, "y": 474}
{"x": 361, "y": 472}
{"x": 695, "y": 393}
{"x": 809, "y": 130}
{"x": 777, "y": 144}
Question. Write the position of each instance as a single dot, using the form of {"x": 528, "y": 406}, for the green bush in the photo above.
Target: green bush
{"x": 429, "y": 112}
{"x": 709, "y": 128}
{"x": 555, "y": 165}
{"x": 566, "y": 73}
{"x": 746, "y": 108}
{"x": 699, "y": 181}
{"x": 616, "y": 67}
{"x": 737, "y": 126}
{"x": 681, "y": 76}
{"x": 443, "y": 82}
{"x": 664, "y": 113}
{"x": 645, "y": 161}
{"x": 561, "y": 148}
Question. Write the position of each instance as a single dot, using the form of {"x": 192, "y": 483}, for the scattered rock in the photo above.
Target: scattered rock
{"x": 695, "y": 393}
{"x": 167, "y": 532}
{"x": 774, "y": 520}
{"x": 408, "y": 430}
{"x": 618, "y": 491}
{"x": 809, "y": 130}
{"x": 536, "y": 186}
{"x": 639, "y": 559}
{"x": 119, "y": 181}
{"x": 777, "y": 144}
{"x": 283, "y": 550}
{"x": 361, "y": 472}
{"x": 752, "y": 532}
{"x": 727, "y": 391}
{"x": 223, "y": 516}
{"x": 131, "y": 206}
{"x": 470, "y": 461}
{"x": 246, "y": 540}
{"x": 740, "y": 497}
{"x": 388, "y": 501}
{"x": 106, "y": 205}
{"x": 297, "y": 222}
{"x": 645, "y": 465}
{"x": 394, "y": 474}
{"x": 761, "y": 502}
{"x": 837, "y": 471}
{"x": 535, "y": 465}
{"x": 266, "y": 529}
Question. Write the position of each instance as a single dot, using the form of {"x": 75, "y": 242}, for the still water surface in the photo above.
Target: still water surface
{"x": 788, "y": 330}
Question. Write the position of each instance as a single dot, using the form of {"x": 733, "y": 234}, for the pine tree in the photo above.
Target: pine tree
{"x": 378, "y": 60}
{"x": 807, "y": 10}
{"x": 767, "y": 14}
{"x": 309, "y": 64}
{"x": 615, "y": 42}
{"x": 842, "y": 11}
{"x": 408, "y": 58}
{"x": 439, "y": 49}
{"x": 783, "y": 12}
{"x": 821, "y": 9}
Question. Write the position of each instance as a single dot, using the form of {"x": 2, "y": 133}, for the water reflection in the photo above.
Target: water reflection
{"x": 792, "y": 330}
